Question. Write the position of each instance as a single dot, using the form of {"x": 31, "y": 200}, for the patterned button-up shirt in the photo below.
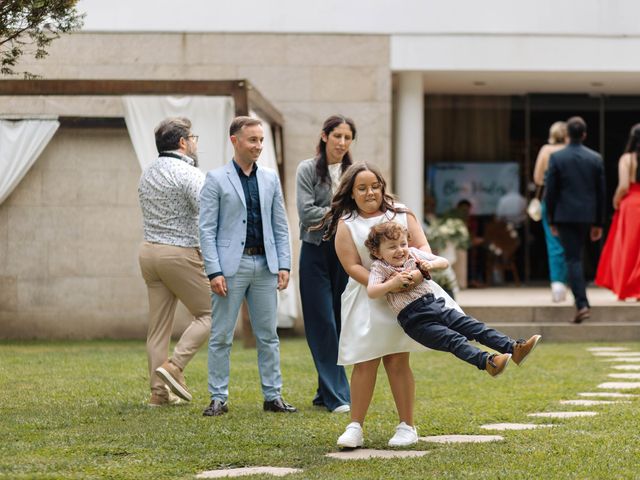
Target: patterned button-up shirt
{"x": 381, "y": 271}
{"x": 169, "y": 193}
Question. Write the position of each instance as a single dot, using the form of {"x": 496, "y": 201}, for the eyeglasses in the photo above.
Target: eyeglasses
{"x": 195, "y": 137}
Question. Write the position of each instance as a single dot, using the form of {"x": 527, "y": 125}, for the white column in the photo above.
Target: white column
{"x": 409, "y": 145}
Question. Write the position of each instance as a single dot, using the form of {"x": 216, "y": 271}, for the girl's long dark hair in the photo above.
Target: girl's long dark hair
{"x": 633, "y": 144}
{"x": 344, "y": 205}
{"x": 322, "y": 169}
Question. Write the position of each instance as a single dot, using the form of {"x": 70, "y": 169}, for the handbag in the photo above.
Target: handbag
{"x": 534, "y": 209}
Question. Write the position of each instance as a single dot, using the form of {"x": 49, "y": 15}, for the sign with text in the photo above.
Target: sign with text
{"x": 481, "y": 183}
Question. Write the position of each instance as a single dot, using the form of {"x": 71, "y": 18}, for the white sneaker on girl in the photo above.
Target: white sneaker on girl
{"x": 352, "y": 436}
{"x": 405, "y": 436}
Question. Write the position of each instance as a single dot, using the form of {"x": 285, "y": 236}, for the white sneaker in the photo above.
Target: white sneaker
{"x": 341, "y": 409}
{"x": 405, "y": 436}
{"x": 352, "y": 436}
{"x": 558, "y": 292}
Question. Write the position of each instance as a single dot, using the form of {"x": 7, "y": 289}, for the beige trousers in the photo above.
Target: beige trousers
{"x": 171, "y": 274}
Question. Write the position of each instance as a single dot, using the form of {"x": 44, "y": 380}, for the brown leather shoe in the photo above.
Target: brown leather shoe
{"x": 172, "y": 376}
{"x": 164, "y": 399}
{"x": 278, "y": 405}
{"x": 215, "y": 409}
{"x": 496, "y": 363}
{"x": 523, "y": 348}
{"x": 583, "y": 314}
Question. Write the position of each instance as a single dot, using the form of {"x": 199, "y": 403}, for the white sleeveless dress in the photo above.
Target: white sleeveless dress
{"x": 369, "y": 327}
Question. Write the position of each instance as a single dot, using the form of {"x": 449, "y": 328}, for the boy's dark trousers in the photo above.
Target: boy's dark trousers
{"x": 428, "y": 321}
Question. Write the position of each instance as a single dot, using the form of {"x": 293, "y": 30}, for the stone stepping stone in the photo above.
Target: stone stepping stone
{"x": 619, "y": 385}
{"x": 462, "y": 438}
{"x": 586, "y": 402}
{"x": 617, "y": 354}
{"x": 562, "y": 414}
{"x": 626, "y": 367}
{"x": 607, "y": 349}
{"x": 241, "y": 472}
{"x": 626, "y": 376}
{"x": 623, "y": 359}
{"x": 366, "y": 453}
{"x": 515, "y": 426}
{"x": 607, "y": 394}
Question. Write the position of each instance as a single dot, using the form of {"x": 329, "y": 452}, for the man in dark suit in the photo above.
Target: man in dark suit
{"x": 575, "y": 205}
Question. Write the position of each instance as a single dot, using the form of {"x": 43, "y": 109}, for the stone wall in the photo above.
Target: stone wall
{"x": 69, "y": 232}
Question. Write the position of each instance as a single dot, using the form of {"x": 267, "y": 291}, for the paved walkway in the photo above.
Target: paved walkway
{"x": 616, "y": 353}
{"x": 531, "y": 296}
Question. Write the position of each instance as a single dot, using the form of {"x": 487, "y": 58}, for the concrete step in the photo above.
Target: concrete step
{"x": 552, "y": 314}
{"x": 524, "y": 311}
{"x": 570, "y": 332}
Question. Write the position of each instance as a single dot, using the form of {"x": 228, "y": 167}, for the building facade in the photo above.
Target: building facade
{"x": 409, "y": 74}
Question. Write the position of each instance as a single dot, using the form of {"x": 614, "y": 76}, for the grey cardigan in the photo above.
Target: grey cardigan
{"x": 313, "y": 200}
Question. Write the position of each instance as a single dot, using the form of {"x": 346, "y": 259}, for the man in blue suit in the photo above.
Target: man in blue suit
{"x": 575, "y": 205}
{"x": 244, "y": 238}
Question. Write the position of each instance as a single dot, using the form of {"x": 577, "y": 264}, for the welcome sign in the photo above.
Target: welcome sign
{"x": 481, "y": 183}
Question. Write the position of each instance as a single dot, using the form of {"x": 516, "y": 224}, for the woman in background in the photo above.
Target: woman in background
{"x": 557, "y": 266}
{"x": 619, "y": 266}
{"x": 322, "y": 278}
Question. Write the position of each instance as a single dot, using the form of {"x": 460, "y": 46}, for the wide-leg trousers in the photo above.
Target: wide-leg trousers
{"x": 322, "y": 281}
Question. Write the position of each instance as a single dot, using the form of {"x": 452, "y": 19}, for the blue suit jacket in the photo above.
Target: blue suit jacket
{"x": 223, "y": 221}
{"x": 574, "y": 186}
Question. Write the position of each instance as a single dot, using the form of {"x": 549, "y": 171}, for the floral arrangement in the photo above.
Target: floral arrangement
{"x": 443, "y": 231}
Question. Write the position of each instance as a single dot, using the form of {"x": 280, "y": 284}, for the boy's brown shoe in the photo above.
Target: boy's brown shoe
{"x": 172, "y": 376}
{"x": 523, "y": 348}
{"x": 496, "y": 363}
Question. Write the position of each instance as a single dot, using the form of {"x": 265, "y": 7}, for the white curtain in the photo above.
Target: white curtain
{"x": 210, "y": 118}
{"x": 21, "y": 143}
{"x": 287, "y": 299}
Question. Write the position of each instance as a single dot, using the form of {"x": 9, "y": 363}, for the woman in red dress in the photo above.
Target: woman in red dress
{"x": 619, "y": 266}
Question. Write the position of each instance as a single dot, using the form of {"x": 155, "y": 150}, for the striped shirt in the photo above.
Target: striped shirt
{"x": 381, "y": 271}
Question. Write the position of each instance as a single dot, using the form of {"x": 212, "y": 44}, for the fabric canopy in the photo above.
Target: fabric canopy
{"x": 210, "y": 118}
{"x": 21, "y": 143}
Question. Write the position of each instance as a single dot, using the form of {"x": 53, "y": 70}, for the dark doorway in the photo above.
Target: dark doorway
{"x": 519, "y": 132}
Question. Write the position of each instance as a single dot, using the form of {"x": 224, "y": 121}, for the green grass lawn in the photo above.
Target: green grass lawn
{"x": 78, "y": 410}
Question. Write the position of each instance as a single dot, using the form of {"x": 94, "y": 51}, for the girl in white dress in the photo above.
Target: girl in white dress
{"x": 370, "y": 332}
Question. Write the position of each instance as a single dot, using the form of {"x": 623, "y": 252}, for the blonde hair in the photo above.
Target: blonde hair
{"x": 557, "y": 133}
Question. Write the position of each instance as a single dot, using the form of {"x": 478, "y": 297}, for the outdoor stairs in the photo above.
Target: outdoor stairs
{"x": 522, "y": 312}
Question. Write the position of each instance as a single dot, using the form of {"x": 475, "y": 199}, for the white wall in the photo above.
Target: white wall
{"x": 542, "y": 17}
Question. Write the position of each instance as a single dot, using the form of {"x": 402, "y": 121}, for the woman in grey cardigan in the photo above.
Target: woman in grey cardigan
{"x": 322, "y": 278}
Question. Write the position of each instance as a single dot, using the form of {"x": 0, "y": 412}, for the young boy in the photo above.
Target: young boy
{"x": 425, "y": 318}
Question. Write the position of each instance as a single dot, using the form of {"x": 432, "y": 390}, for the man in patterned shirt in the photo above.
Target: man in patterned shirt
{"x": 170, "y": 258}
{"x": 425, "y": 318}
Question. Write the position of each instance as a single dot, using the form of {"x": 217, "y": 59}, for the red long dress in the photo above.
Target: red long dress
{"x": 619, "y": 266}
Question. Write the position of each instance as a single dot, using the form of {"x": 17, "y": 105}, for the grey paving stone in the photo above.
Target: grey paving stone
{"x": 607, "y": 349}
{"x": 607, "y": 394}
{"x": 366, "y": 453}
{"x": 619, "y": 385}
{"x": 626, "y": 367}
{"x": 462, "y": 438}
{"x": 586, "y": 402}
{"x": 562, "y": 414}
{"x": 241, "y": 472}
{"x": 515, "y": 426}
{"x": 616, "y": 354}
{"x": 626, "y": 376}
